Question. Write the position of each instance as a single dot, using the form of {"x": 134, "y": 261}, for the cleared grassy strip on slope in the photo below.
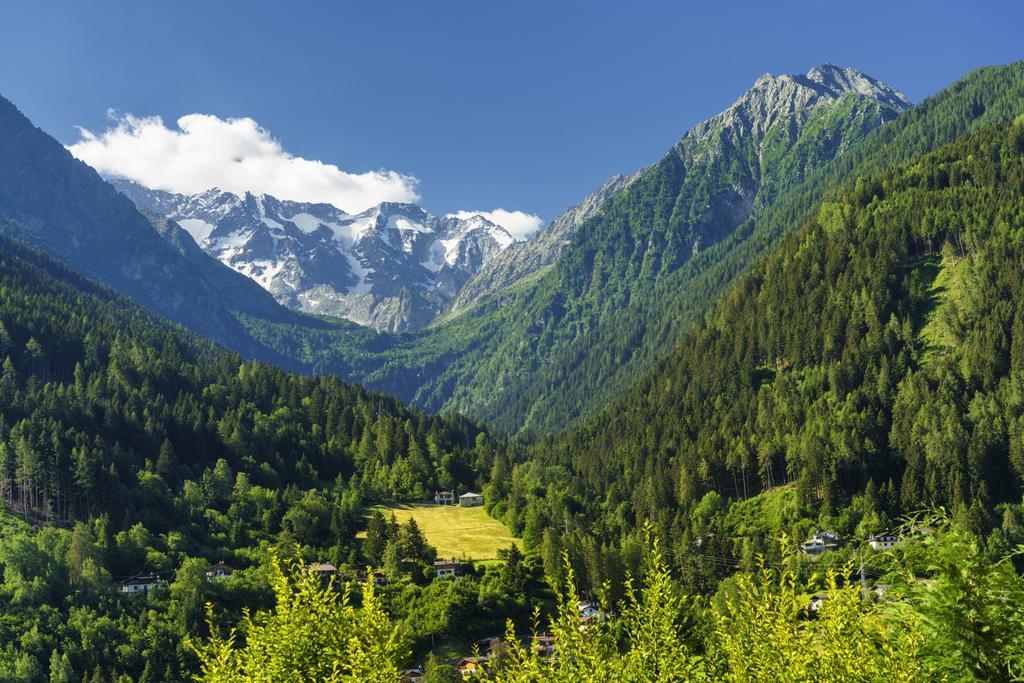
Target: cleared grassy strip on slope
{"x": 938, "y": 327}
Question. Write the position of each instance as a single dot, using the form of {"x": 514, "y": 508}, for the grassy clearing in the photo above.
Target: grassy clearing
{"x": 457, "y": 532}
{"x": 938, "y": 319}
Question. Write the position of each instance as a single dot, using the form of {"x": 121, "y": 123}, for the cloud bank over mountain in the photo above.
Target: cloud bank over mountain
{"x": 237, "y": 155}
{"x": 519, "y": 224}
{"x": 202, "y": 151}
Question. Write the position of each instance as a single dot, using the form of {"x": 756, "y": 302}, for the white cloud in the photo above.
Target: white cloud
{"x": 518, "y": 223}
{"x": 236, "y": 155}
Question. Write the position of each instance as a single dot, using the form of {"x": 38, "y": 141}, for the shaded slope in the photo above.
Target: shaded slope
{"x": 63, "y": 207}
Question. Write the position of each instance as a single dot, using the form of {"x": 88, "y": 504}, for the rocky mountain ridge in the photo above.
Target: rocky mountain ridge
{"x": 392, "y": 267}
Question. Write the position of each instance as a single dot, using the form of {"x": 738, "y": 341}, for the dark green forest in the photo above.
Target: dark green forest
{"x": 871, "y": 367}
{"x": 128, "y": 446}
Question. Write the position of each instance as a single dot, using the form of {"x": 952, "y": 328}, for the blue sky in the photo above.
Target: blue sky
{"x": 522, "y": 105}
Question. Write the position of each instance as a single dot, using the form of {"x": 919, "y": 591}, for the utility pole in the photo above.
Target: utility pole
{"x": 863, "y": 579}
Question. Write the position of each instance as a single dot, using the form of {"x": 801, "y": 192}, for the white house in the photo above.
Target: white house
{"x": 883, "y": 541}
{"x": 590, "y": 613}
{"x": 588, "y": 609}
{"x": 443, "y": 568}
{"x": 219, "y": 572}
{"x": 140, "y": 583}
{"x": 820, "y": 542}
{"x": 470, "y": 499}
{"x": 445, "y": 498}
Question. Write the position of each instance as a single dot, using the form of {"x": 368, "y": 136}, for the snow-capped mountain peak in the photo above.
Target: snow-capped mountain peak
{"x": 393, "y": 266}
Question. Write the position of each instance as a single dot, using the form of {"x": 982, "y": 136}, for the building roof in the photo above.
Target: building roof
{"x": 470, "y": 661}
{"x": 140, "y": 579}
{"x": 470, "y": 494}
{"x": 445, "y": 563}
{"x": 322, "y": 567}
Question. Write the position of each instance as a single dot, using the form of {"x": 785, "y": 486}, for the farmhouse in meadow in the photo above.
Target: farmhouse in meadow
{"x": 445, "y": 498}
{"x": 469, "y": 500}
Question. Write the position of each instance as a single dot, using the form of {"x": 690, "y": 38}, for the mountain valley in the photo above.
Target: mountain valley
{"x": 754, "y": 411}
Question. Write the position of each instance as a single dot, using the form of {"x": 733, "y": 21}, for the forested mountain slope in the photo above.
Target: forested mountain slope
{"x": 523, "y": 259}
{"x": 871, "y": 367}
{"x": 105, "y": 408}
{"x": 165, "y": 454}
{"x": 535, "y": 353}
{"x": 518, "y": 358}
{"x": 596, "y": 368}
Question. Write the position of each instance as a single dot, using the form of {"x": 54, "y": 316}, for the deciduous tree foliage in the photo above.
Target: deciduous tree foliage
{"x": 762, "y": 630}
{"x": 314, "y": 633}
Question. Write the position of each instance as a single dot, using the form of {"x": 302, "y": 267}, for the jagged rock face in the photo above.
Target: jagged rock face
{"x": 745, "y": 147}
{"x": 773, "y": 99}
{"x": 523, "y": 259}
{"x": 770, "y": 116}
{"x": 393, "y": 267}
{"x": 777, "y": 131}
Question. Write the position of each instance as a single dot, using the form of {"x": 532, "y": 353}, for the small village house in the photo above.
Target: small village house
{"x": 219, "y": 572}
{"x": 470, "y": 499}
{"x": 817, "y": 601}
{"x": 471, "y": 667}
{"x": 819, "y": 542}
{"x": 545, "y": 645}
{"x": 378, "y": 577}
{"x": 443, "y": 568}
{"x": 413, "y": 675}
{"x": 883, "y": 541}
{"x": 325, "y": 570}
{"x": 140, "y": 583}
{"x": 588, "y": 610}
{"x": 445, "y": 498}
{"x": 590, "y": 613}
